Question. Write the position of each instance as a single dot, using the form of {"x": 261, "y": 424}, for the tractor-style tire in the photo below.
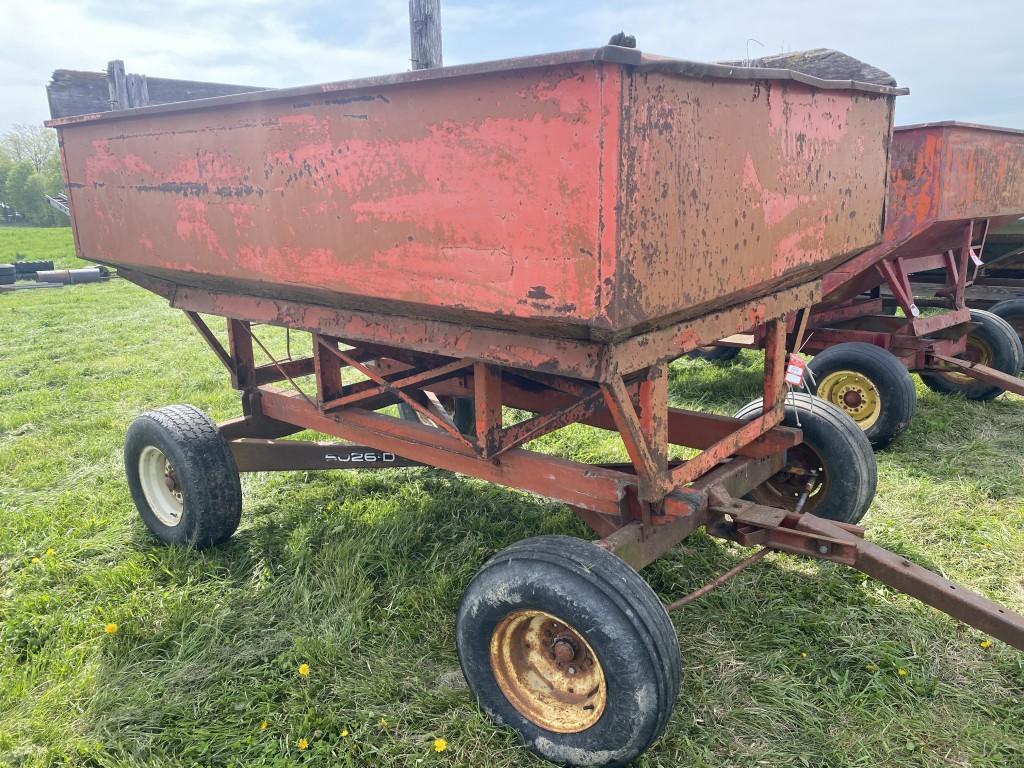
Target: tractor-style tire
{"x": 992, "y": 342}
{"x": 1012, "y": 311}
{"x": 562, "y": 641}
{"x": 870, "y": 385}
{"x": 833, "y": 446}
{"x": 714, "y": 353}
{"x": 8, "y": 274}
{"x": 182, "y": 476}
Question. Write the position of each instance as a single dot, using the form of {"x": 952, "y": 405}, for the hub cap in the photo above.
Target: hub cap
{"x": 548, "y": 672}
{"x": 855, "y": 393}
{"x": 160, "y": 486}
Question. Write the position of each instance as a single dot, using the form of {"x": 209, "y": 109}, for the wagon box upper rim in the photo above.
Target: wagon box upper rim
{"x": 624, "y": 56}
{"x": 957, "y": 124}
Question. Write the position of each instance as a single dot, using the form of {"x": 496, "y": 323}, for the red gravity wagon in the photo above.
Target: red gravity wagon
{"x": 950, "y": 185}
{"x": 545, "y": 234}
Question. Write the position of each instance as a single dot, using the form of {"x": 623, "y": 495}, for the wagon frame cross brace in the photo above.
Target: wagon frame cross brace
{"x": 681, "y": 496}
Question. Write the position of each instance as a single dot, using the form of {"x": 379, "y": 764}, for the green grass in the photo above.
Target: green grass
{"x": 359, "y": 575}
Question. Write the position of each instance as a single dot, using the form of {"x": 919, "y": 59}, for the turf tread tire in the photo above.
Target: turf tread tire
{"x": 714, "y": 354}
{"x": 1012, "y": 311}
{"x": 828, "y": 430}
{"x": 616, "y": 585}
{"x": 891, "y": 378}
{"x": 1008, "y": 357}
{"x": 205, "y": 468}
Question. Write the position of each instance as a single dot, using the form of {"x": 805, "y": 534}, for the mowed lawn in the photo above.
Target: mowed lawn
{"x": 794, "y": 663}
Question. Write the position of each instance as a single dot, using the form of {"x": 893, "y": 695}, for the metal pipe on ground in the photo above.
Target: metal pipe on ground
{"x": 73, "y": 276}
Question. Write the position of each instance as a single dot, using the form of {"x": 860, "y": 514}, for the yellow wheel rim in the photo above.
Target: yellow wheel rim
{"x": 978, "y": 351}
{"x": 548, "y": 671}
{"x": 855, "y": 393}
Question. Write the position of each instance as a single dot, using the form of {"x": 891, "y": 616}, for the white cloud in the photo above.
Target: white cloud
{"x": 252, "y": 42}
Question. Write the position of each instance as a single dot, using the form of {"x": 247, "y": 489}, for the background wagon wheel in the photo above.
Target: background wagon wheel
{"x": 991, "y": 342}
{"x": 835, "y": 448}
{"x": 462, "y": 412}
{"x": 714, "y": 353}
{"x": 561, "y": 640}
{"x": 1012, "y": 311}
{"x": 870, "y": 385}
{"x": 182, "y": 476}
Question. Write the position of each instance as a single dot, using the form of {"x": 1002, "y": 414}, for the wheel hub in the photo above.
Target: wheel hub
{"x": 160, "y": 486}
{"x": 548, "y": 671}
{"x": 855, "y": 393}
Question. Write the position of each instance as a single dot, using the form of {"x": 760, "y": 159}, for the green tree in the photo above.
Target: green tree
{"x": 25, "y": 190}
{"x": 33, "y": 144}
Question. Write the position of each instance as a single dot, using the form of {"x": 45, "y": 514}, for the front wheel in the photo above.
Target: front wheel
{"x": 182, "y": 476}
{"x": 564, "y": 642}
{"x": 870, "y": 385}
{"x": 835, "y": 457}
{"x": 993, "y": 343}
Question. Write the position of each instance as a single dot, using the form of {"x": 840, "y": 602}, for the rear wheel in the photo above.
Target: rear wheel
{"x": 991, "y": 342}
{"x": 835, "y": 458}
{"x": 714, "y": 354}
{"x": 182, "y": 476}
{"x": 564, "y": 642}
{"x": 1012, "y": 311}
{"x": 870, "y": 385}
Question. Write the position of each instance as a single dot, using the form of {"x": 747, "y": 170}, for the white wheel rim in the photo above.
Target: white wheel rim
{"x": 160, "y": 486}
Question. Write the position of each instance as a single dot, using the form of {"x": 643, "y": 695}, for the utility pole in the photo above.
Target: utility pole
{"x": 425, "y": 33}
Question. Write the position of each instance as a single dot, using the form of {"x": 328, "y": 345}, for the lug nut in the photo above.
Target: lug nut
{"x": 564, "y": 652}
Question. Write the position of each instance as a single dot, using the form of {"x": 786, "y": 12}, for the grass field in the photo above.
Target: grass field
{"x": 358, "y": 575}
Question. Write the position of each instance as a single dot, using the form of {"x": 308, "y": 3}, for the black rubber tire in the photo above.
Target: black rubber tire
{"x": 463, "y": 415}
{"x": 31, "y": 267}
{"x": 1007, "y": 356}
{"x": 618, "y": 615}
{"x": 848, "y": 471}
{"x": 897, "y": 398}
{"x": 7, "y": 274}
{"x": 714, "y": 354}
{"x": 1012, "y": 311}
{"x": 206, "y": 472}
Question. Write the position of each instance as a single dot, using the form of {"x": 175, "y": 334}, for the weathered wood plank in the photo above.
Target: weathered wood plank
{"x": 73, "y": 92}
{"x": 824, "y": 63}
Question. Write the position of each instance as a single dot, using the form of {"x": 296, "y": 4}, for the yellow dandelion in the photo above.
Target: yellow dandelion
{"x": 440, "y": 745}
{"x": 383, "y": 721}
{"x": 344, "y": 733}
{"x": 110, "y": 628}
{"x": 901, "y": 672}
{"x": 35, "y": 560}
{"x": 304, "y": 669}
{"x": 985, "y": 643}
{"x": 50, "y": 551}
{"x": 263, "y": 725}
{"x": 302, "y": 743}
{"x": 803, "y": 654}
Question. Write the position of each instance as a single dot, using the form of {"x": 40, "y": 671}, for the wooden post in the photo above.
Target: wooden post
{"x": 117, "y": 85}
{"x": 425, "y": 33}
{"x": 138, "y": 90}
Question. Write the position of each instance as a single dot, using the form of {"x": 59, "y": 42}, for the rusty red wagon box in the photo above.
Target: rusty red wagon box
{"x": 598, "y": 192}
{"x": 503, "y": 250}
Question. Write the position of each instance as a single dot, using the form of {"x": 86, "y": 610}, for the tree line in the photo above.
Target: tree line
{"x": 30, "y": 170}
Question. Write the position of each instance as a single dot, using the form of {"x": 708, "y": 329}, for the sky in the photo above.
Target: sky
{"x": 961, "y": 60}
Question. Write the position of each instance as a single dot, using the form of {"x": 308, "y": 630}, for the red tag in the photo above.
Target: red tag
{"x": 795, "y": 367}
